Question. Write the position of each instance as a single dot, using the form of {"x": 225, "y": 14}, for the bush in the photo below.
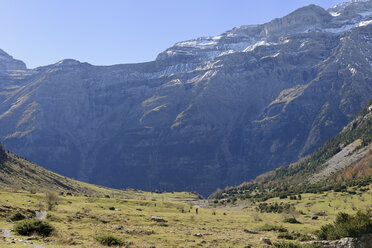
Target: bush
{"x": 289, "y": 236}
{"x": 269, "y": 228}
{"x": 109, "y": 240}
{"x": 293, "y": 245}
{"x": 294, "y": 236}
{"x": 51, "y": 200}
{"x": 347, "y": 226}
{"x": 273, "y": 207}
{"x": 31, "y": 226}
{"x": 291, "y": 220}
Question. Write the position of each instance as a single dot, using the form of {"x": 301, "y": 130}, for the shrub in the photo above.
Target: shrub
{"x": 51, "y": 200}
{"x": 347, "y": 226}
{"x": 289, "y": 236}
{"x": 31, "y": 226}
{"x": 291, "y": 220}
{"x": 268, "y": 228}
{"x": 293, "y": 245}
{"x": 294, "y": 236}
{"x": 273, "y": 207}
{"x": 109, "y": 240}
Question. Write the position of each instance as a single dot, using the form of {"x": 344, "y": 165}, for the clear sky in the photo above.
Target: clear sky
{"x": 105, "y": 32}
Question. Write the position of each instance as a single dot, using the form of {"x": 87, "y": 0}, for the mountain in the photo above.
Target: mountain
{"x": 207, "y": 113}
{"x": 343, "y": 160}
{"x": 7, "y": 62}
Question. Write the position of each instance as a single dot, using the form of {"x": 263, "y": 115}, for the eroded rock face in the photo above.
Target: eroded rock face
{"x": 209, "y": 112}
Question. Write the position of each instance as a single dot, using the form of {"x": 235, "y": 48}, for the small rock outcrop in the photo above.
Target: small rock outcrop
{"x": 363, "y": 242}
{"x": 157, "y": 219}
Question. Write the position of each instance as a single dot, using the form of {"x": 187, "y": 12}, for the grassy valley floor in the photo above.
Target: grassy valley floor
{"x": 78, "y": 220}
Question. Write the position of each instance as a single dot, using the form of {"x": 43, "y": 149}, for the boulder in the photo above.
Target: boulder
{"x": 157, "y": 219}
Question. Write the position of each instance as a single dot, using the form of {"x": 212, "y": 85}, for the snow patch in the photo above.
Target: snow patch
{"x": 335, "y": 13}
{"x": 352, "y": 70}
{"x": 365, "y": 23}
{"x": 260, "y": 43}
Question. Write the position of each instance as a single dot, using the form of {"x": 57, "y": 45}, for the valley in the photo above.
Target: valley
{"x": 79, "y": 220}
{"x": 206, "y": 113}
{"x": 258, "y": 137}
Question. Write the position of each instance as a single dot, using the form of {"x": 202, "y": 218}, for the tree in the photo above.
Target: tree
{"x": 51, "y": 200}
{"x": 2, "y": 154}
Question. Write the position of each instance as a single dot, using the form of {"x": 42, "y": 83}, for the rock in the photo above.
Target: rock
{"x": 17, "y": 216}
{"x": 3, "y": 209}
{"x": 107, "y": 196}
{"x": 138, "y": 209}
{"x": 265, "y": 240}
{"x": 314, "y": 217}
{"x": 363, "y": 242}
{"x": 157, "y": 219}
{"x": 7, "y": 62}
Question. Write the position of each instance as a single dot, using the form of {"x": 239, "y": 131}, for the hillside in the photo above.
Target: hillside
{"x": 19, "y": 175}
{"x": 208, "y": 112}
{"x": 142, "y": 219}
{"x": 345, "y": 160}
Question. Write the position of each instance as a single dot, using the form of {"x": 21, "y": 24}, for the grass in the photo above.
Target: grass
{"x": 78, "y": 220}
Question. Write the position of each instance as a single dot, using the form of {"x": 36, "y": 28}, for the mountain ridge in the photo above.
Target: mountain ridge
{"x": 206, "y": 113}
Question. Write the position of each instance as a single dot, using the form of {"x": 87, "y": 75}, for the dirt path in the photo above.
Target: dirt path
{"x": 6, "y": 233}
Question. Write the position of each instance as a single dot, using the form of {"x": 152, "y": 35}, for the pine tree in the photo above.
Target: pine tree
{"x": 2, "y": 154}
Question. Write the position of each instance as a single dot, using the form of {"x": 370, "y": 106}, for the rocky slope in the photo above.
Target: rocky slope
{"x": 345, "y": 157}
{"x": 343, "y": 163}
{"x": 206, "y": 113}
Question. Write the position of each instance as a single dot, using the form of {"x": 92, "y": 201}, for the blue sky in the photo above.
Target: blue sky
{"x": 105, "y": 32}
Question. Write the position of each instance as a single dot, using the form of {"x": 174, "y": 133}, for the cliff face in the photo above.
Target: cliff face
{"x": 206, "y": 113}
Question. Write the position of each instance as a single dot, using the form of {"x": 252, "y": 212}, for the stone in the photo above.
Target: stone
{"x": 157, "y": 219}
{"x": 265, "y": 240}
{"x": 17, "y": 216}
